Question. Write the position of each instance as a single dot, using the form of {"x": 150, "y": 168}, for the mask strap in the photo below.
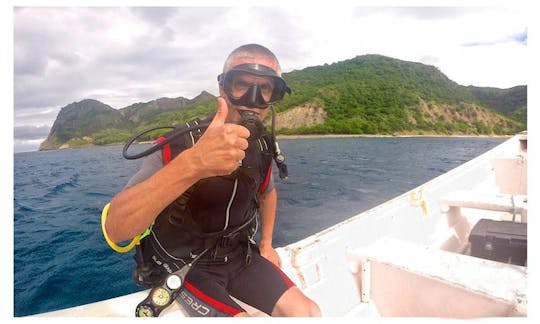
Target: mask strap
{"x": 273, "y": 120}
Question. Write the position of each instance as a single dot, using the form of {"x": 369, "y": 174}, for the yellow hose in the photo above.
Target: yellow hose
{"x": 114, "y": 246}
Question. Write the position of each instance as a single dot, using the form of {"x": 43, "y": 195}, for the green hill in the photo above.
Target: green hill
{"x": 373, "y": 94}
{"x": 90, "y": 122}
{"x": 369, "y": 94}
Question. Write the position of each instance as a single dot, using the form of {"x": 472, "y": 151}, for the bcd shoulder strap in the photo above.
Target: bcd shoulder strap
{"x": 172, "y": 148}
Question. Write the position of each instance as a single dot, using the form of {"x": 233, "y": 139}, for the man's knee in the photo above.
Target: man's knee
{"x": 295, "y": 303}
{"x": 312, "y": 309}
{"x": 304, "y": 308}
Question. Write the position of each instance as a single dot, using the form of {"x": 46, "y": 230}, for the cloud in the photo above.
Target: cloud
{"x": 37, "y": 116}
{"x": 28, "y": 138}
{"x": 107, "y": 49}
{"x": 31, "y": 132}
{"x": 155, "y": 15}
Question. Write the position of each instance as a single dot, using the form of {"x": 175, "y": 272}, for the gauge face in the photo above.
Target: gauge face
{"x": 160, "y": 296}
{"x": 174, "y": 282}
{"x": 145, "y": 311}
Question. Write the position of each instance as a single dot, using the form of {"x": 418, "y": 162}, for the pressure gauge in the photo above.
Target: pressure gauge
{"x": 160, "y": 296}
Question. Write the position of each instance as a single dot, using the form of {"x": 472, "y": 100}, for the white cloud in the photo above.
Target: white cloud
{"x": 491, "y": 65}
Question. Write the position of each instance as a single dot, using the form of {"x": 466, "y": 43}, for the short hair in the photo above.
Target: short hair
{"x": 251, "y": 51}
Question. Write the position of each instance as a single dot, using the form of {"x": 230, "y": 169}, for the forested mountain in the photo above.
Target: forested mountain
{"x": 369, "y": 94}
{"x": 373, "y": 94}
{"x": 92, "y": 122}
{"x": 511, "y": 102}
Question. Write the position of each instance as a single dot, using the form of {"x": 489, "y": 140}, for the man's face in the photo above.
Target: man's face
{"x": 241, "y": 84}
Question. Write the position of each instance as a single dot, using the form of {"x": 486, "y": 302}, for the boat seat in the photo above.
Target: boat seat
{"x": 405, "y": 279}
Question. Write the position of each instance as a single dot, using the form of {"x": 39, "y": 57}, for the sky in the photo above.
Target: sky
{"x": 124, "y": 55}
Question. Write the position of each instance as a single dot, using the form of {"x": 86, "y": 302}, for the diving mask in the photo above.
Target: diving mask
{"x": 253, "y": 85}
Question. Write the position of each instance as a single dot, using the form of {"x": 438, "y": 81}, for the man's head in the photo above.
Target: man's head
{"x": 251, "y": 80}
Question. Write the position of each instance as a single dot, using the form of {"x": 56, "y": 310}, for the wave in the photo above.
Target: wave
{"x": 72, "y": 182}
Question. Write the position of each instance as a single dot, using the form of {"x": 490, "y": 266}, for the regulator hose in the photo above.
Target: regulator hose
{"x": 158, "y": 146}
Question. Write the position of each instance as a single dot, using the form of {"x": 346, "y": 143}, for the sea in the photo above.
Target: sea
{"x": 60, "y": 258}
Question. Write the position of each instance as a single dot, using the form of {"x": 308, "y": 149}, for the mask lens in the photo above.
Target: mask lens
{"x": 237, "y": 84}
{"x": 267, "y": 89}
{"x": 278, "y": 91}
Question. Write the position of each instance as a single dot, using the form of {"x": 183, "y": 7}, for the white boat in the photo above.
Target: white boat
{"x": 408, "y": 257}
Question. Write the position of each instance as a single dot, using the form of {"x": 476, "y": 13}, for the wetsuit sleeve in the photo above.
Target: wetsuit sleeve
{"x": 150, "y": 165}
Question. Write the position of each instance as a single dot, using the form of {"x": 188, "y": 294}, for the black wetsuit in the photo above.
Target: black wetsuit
{"x": 227, "y": 207}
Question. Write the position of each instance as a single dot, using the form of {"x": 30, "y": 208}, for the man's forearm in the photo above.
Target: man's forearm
{"x": 134, "y": 209}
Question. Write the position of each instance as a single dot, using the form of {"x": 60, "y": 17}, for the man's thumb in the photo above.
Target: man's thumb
{"x": 221, "y": 114}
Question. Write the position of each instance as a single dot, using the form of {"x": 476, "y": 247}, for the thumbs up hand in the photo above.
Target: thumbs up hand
{"x": 221, "y": 115}
{"x": 222, "y": 147}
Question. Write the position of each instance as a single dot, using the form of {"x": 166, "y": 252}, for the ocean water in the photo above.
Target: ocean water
{"x": 61, "y": 259}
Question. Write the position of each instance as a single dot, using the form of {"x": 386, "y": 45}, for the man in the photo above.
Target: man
{"x": 199, "y": 208}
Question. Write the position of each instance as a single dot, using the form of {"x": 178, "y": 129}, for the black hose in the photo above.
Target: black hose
{"x": 157, "y": 146}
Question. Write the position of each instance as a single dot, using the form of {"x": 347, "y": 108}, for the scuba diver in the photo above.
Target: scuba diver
{"x": 194, "y": 206}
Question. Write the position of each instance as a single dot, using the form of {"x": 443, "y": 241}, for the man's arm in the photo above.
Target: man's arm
{"x": 216, "y": 153}
{"x": 134, "y": 209}
{"x": 268, "y": 204}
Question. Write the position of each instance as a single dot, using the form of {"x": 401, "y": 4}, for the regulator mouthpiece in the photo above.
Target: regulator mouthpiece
{"x": 250, "y": 121}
